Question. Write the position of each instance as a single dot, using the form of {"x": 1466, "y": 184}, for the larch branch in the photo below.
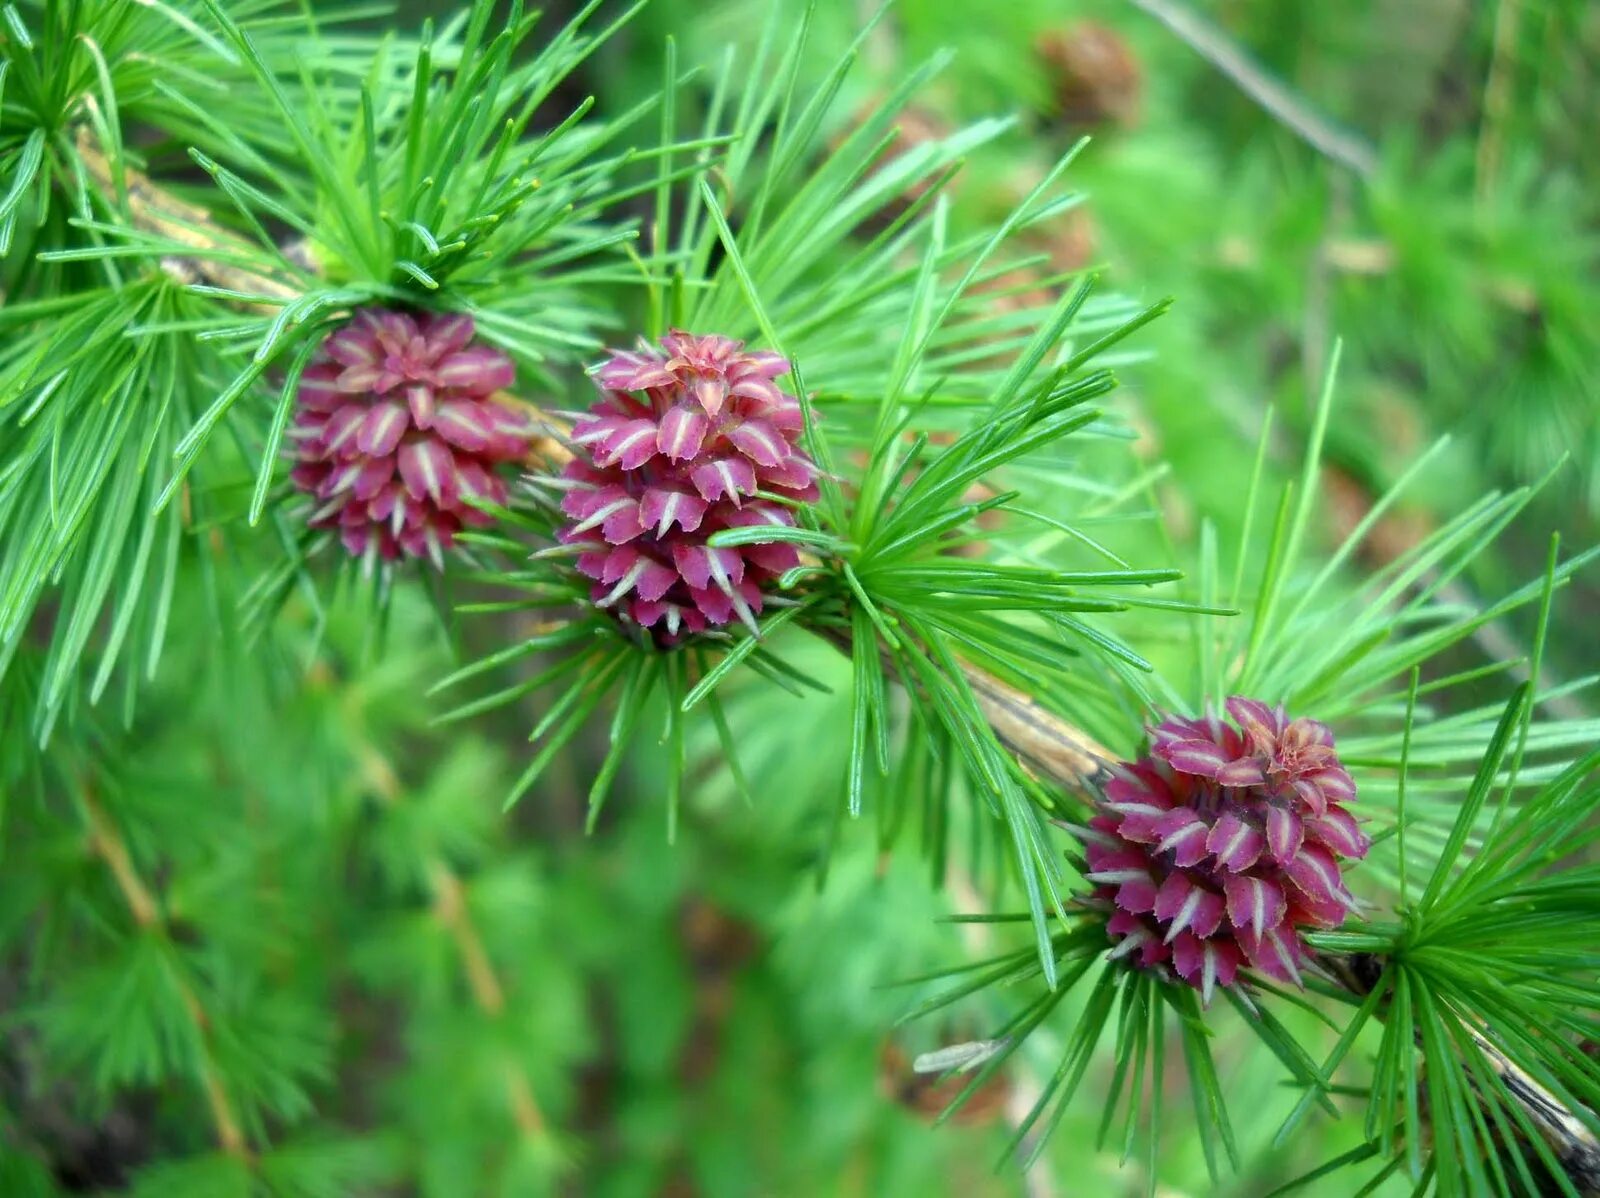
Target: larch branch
{"x": 1043, "y": 743}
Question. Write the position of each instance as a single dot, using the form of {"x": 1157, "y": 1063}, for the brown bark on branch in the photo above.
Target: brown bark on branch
{"x": 156, "y": 210}
{"x": 1042, "y": 741}
{"x": 1569, "y": 1139}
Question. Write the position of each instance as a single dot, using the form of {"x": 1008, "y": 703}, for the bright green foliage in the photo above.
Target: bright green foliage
{"x": 322, "y": 881}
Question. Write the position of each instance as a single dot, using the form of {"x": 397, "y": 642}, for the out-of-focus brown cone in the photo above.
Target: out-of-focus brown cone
{"x": 1072, "y": 240}
{"x": 1067, "y": 243}
{"x": 717, "y": 945}
{"x": 1350, "y": 501}
{"x": 1095, "y": 79}
{"x": 1350, "y": 493}
{"x": 915, "y": 126}
{"x": 927, "y": 1094}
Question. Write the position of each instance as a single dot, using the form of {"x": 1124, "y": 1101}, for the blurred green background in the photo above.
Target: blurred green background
{"x": 523, "y": 1008}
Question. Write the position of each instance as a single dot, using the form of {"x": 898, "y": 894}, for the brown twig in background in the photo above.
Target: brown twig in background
{"x": 107, "y": 843}
{"x": 1497, "y": 97}
{"x": 1287, "y": 108}
{"x": 450, "y": 909}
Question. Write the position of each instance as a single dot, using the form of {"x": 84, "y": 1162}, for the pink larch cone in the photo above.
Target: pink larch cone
{"x": 675, "y": 450}
{"x": 395, "y": 429}
{"x": 1219, "y": 847}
